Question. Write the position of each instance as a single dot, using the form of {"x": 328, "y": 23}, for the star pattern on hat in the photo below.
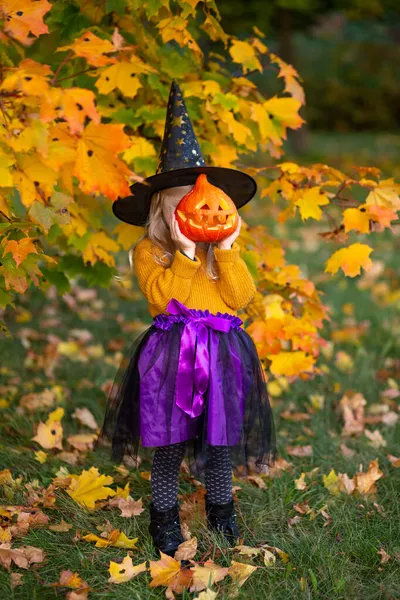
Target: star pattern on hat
{"x": 180, "y": 148}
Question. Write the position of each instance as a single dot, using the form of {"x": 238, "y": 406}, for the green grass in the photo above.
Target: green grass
{"x": 329, "y": 560}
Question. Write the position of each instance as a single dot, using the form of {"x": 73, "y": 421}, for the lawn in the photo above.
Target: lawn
{"x": 335, "y": 545}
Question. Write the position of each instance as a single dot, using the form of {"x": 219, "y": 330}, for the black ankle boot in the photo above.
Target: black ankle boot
{"x": 165, "y": 529}
{"x": 221, "y": 518}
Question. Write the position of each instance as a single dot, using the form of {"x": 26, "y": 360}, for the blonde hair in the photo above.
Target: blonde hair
{"x": 157, "y": 230}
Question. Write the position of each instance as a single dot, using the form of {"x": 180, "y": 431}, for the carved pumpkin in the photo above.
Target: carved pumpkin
{"x": 206, "y": 213}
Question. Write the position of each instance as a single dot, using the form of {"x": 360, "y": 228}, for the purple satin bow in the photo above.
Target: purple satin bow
{"x": 194, "y": 369}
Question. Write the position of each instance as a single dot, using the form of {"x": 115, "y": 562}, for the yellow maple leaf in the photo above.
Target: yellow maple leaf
{"x": 206, "y": 575}
{"x": 268, "y": 131}
{"x": 98, "y": 248}
{"x": 175, "y": 28}
{"x": 41, "y": 456}
{"x": 140, "y": 147}
{"x": 92, "y": 48}
{"x": 309, "y": 202}
{"x": 90, "y": 486}
{"x": 240, "y": 132}
{"x": 49, "y": 435}
{"x": 6, "y": 162}
{"x": 240, "y": 572}
{"x": 224, "y": 155}
{"x": 286, "y": 110}
{"x": 356, "y": 218}
{"x": 350, "y": 260}
{"x": 244, "y": 54}
{"x": 125, "y": 571}
{"x": 290, "y": 363}
{"x": 33, "y": 174}
{"x": 22, "y": 17}
{"x": 121, "y": 76}
{"x": 128, "y": 235}
{"x": 55, "y": 415}
{"x": 386, "y": 193}
{"x": 291, "y": 78}
{"x": 331, "y": 482}
{"x": 114, "y": 538}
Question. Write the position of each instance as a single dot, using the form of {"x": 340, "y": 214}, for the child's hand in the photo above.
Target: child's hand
{"x": 183, "y": 243}
{"x": 227, "y": 242}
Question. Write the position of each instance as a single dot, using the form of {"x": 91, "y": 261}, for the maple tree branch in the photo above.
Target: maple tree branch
{"x": 60, "y": 66}
{"x": 5, "y": 216}
{"x": 4, "y": 115}
{"x": 75, "y": 74}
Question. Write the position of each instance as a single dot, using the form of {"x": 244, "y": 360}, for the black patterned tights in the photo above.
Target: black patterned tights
{"x": 165, "y": 473}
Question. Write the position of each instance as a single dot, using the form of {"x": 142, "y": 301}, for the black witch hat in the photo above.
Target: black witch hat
{"x": 180, "y": 163}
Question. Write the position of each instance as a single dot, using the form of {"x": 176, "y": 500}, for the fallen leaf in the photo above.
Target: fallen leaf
{"x": 125, "y": 571}
{"x": 90, "y": 486}
{"x": 240, "y": 572}
{"x": 187, "y": 550}
{"x": 206, "y": 575}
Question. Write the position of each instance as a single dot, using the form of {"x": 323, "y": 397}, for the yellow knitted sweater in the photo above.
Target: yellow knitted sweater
{"x": 187, "y": 280}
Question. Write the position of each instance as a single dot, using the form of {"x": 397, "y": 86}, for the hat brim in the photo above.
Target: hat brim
{"x": 134, "y": 209}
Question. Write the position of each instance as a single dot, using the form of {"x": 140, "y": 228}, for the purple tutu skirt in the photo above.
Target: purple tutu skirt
{"x": 194, "y": 377}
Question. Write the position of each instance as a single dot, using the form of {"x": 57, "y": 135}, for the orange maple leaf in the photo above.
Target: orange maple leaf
{"x": 20, "y": 249}
{"x": 22, "y": 17}
{"x": 96, "y": 166}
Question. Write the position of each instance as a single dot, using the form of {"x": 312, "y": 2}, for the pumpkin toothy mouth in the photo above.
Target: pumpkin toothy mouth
{"x": 205, "y": 216}
{"x": 199, "y": 220}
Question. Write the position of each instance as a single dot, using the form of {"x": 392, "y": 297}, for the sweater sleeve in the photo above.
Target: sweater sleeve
{"x": 159, "y": 284}
{"x": 236, "y": 285}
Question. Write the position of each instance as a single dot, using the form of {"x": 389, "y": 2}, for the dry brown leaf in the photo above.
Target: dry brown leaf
{"x": 352, "y": 407}
{"x": 63, "y": 526}
{"x": 294, "y": 416}
{"x": 16, "y": 579}
{"x": 187, "y": 550}
{"x": 302, "y": 508}
{"x": 347, "y": 452}
{"x": 256, "y": 480}
{"x": 346, "y": 484}
{"x": 299, "y": 450}
{"x": 38, "y": 400}
{"x": 365, "y": 482}
{"x": 299, "y": 483}
{"x": 207, "y": 595}
{"x": 82, "y": 441}
{"x": 85, "y": 417}
{"x": 385, "y": 557}
{"x": 375, "y": 438}
{"x": 69, "y": 457}
{"x": 22, "y": 556}
{"x": 394, "y": 461}
{"x": 128, "y": 506}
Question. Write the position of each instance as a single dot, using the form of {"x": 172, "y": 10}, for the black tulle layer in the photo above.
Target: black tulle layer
{"x": 254, "y": 445}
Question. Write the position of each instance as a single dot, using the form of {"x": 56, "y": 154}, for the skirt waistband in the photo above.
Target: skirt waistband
{"x": 181, "y": 314}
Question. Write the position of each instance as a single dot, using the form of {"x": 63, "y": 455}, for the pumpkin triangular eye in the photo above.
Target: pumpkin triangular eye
{"x": 205, "y": 207}
{"x": 220, "y": 208}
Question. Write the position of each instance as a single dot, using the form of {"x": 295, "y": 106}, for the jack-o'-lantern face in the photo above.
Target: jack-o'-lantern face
{"x": 206, "y": 213}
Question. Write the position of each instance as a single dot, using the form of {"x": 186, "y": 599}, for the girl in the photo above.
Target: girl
{"x": 191, "y": 383}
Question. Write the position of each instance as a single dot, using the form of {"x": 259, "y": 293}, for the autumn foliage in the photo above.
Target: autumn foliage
{"x": 83, "y": 90}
